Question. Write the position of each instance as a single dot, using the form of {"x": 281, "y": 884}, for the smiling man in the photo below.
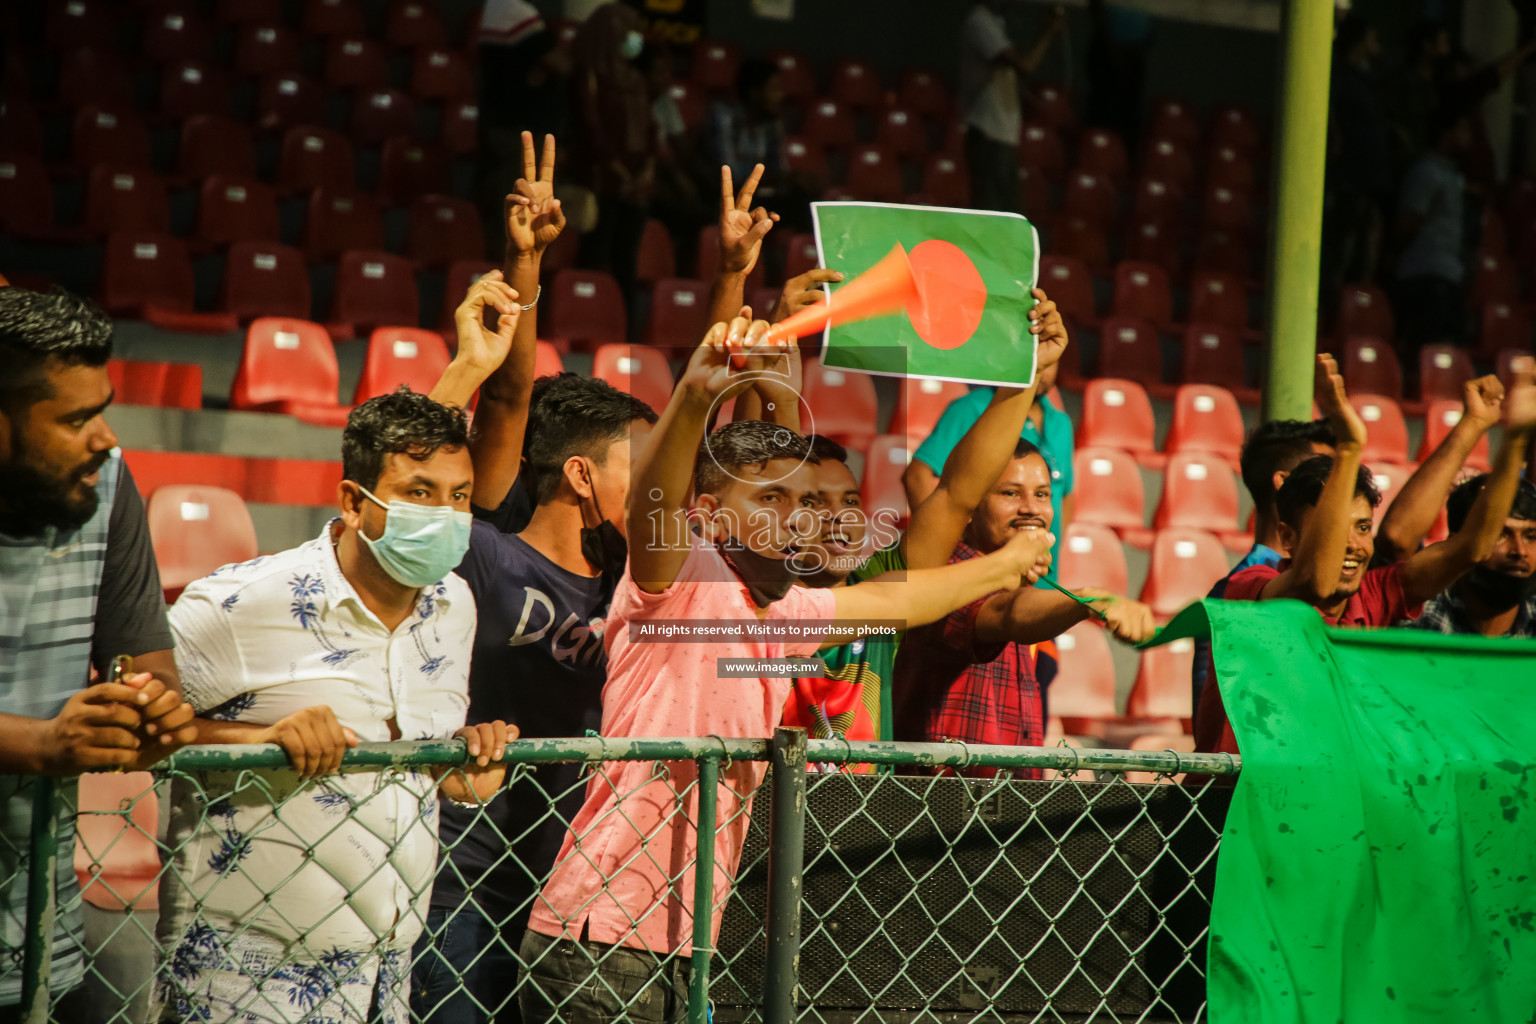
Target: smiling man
{"x": 1498, "y": 596}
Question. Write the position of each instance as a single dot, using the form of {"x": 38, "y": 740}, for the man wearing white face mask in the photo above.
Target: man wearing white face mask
{"x": 297, "y": 899}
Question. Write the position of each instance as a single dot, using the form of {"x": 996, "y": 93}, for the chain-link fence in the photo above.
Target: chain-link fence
{"x": 225, "y": 888}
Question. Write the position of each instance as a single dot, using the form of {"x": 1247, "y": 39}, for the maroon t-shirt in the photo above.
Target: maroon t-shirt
{"x": 1379, "y": 602}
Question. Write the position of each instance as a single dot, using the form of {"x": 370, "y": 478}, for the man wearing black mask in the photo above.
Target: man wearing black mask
{"x": 1496, "y": 597}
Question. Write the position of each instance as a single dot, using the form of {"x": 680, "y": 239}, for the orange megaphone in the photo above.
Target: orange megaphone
{"x": 884, "y": 288}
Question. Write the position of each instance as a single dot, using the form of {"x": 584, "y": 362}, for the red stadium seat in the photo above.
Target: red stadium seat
{"x": 341, "y": 219}
{"x": 1224, "y": 252}
{"x": 1168, "y": 160}
{"x": 177, "y": 33}
{"x": 1155, "y": 243}
{"x": 195, "y": 530}
{"x": 1505, "y": 361}
{"x": 1081, "y": 239}
{"x": 829, "y": 125}
{"x": 635, "y": 370}
{"x": 795, "y": 75}
{"x": 287, "y": 99}
{"x": 1162, "y": 690}
{"x": 95, "y": 77}
{"x": 1206, "y": 419}
{"x": 412, "y": 25}
{"x": 1157, "y": 200}
{"x": 1496, "y": 280}
{"x": 679, "y": 313}
{"x": 1052, "y": 104}
{"x": 1237, "y": 127}
{"x": 1500, "y": 326}
{"x": 109, "y": 136}
{"x": 692, "y": 104}
{"x": 26, "y": 198}
{"x": 1371, "y": 367}
{"x": 1107, "y": 490}
{"x": 372, "y": 289}
{"x": 842, "y": 405}
{"x": 585, "y": 307}
{"x": 1386, "y": 432}
{"x": 1185, "y": 563}
{"x": 1129, "y": 348}
{"x": 1364, "y": 312}
{"x": 1443, "y": 369}
{"x": 334, "y": 18}
{"x": 919, "y": 404}
{"x": 801, "y": 255}
{"x": 267, "y": 49}
{"x": 401, "y": 355}
{"x": 215, "y": 145}
{"x": 714, "y": 65}
{"x": 234, "y": 209}
{"x": 1439, "y": 419}
{"x": 1173, "y": 119}
{"x": 190, "y": 87}
{"x": 81, "y": 24}
{"x": 250, "y": 12}
{"x": 265, "y": 279}
{"x": 313, "y": 158}
{"x": 143, "y": 268}
{"x": 1214, "y": 356}
{"x": 1389, "y": 479}
{"x": 1083, "y": 695}
{"x": 1117, "y": 414}
{"x": 165, "y": 385}
{"x": 923, "y": 91}
{"x": 444, "y": 229}
{"x": 874, "y": 173}
{"x": 546, "y": 360}
{"x": 1230, "y": 168}
{"x": 885, "y": 497}
{"x": 1069, "y": 284}
{"x": 21, "y": 130}
{"x": 806, "y": 158}
{"x": 900, "y": 131}
{"x": 1227, "y": 209}
{"x": 410, "y": 169}
{"x": 1142, "y": 290}
{"x": 856, "y": 83}
{"x": 1040, "y": 149}
{"x": 125, "y": 198}
{"x": 380, "y": 115}
{"x": 1219, "y": 298}
{"x": 289, "y": 367}
{"x": 1091, "y": 556}
{"x": 655, "y": 260}
{"x": 1102, "y": 152}
{"x": 460, "y": 276}
{"x": 438, "y": 74}
{"x": 461, "y": 128}
{"x": 946, "y": 182}
{"x": 1200, "y": 492}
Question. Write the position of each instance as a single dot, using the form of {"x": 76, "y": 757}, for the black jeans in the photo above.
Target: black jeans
{"x": 465, "y": 970}
{"x": 595, "y": 983}
{"x": 994, "y": 169}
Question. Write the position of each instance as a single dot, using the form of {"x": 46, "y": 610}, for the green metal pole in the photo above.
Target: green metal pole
{"x": 42, "y": 908}
{"x": 703, "y": 892}
{"x": 1301, "y": 140}
{"x": 786, "y": 866}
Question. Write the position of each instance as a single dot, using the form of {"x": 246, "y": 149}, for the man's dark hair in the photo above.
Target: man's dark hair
{"x": 1459, "y": 504}
{"x": 36, "y": 328}
{"x": 1023, "y": 448}
{"x": 1304, "y": 487}
{"x": 745, "y": 443}
{"x": 753, "y": 74}
{"x": 400, "y": 422}
{"x": 1278, "y": 447}
{"x": 568, "y": 415}
{"x": 827, "y": 450}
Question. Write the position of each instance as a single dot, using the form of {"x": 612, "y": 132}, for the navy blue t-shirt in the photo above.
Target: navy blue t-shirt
{"x": 538, "y": 664}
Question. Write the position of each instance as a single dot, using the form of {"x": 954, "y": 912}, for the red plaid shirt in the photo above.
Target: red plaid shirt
{"x": 949, "y": 686}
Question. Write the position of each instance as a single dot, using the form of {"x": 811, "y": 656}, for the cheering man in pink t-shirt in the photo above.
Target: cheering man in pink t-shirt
{"x": 608, "y": 939}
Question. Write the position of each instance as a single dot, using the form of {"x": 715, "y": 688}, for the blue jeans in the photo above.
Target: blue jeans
{"x": 464, "y": 970}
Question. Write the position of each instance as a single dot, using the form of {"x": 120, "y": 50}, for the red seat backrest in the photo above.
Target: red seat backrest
{"x": 1200, "y": 492}
{"x": 842, "y": 405}
{"x": 374, "y": 288}
{"x": 1092, "y": 556}
{"x": 1117, "y": 414}
{"x": 195, "y": 529}
{"x": 285, "y": 360}
{"x": 635, "y": 370}
{"x": 1185, "y": 564}
{"x": 401, "y": 355}
{"x": 232, "y": 209}
{"x": 265, "y": 279}
{"x": 1206, "y": 419}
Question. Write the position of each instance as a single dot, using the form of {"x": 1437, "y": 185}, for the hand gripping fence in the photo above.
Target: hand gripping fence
{"x": 874, "y": 884}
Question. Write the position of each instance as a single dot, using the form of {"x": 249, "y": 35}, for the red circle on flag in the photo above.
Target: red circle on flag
{"x": 951, "y": 296}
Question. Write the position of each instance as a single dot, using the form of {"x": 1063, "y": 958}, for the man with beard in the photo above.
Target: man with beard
{"x": 1498, "y": 596}
{"x": 78, "y": 587}
{"x": 1325, "y": 508}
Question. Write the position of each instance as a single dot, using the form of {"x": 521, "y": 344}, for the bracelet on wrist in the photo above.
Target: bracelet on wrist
{"x": 535, "y": 301}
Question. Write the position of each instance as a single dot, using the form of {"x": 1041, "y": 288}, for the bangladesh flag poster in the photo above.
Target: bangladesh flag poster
{"x": 974, "y": 271}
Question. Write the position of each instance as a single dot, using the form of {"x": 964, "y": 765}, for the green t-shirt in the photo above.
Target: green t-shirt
{"x": 869, "y": 662}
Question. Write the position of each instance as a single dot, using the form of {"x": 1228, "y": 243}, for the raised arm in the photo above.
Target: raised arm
{"x": 742, "y": 230}
{"x": 1029, "y": 615}
{"x": 1313, "y": 575}
{"x": 1430, "y": 571}
{"x": 921, "y": 596}
{"x": 1412, "y": 513}
{"x": 658, "y": 506}
{"x": 534, "y": 220}
{"x": 982, "y": 454}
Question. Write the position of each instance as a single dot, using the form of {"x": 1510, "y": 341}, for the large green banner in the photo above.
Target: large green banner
{"x": 1379, "y": 860}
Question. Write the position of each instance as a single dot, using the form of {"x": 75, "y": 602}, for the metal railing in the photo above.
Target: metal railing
{"x": 906, "y": 894}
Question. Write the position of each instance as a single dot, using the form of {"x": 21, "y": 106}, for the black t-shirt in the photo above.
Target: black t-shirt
{"x": 539, "y": 664}
{"x": 515, "y": 511}
{"x": 130, "y": 607}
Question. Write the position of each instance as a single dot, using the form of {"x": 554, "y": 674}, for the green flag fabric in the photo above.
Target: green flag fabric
{"x": 1379, "y": 858}
{"x": 974, "y": 271}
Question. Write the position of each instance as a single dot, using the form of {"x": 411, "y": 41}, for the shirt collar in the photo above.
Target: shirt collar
{"x": 337, "y": 590}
